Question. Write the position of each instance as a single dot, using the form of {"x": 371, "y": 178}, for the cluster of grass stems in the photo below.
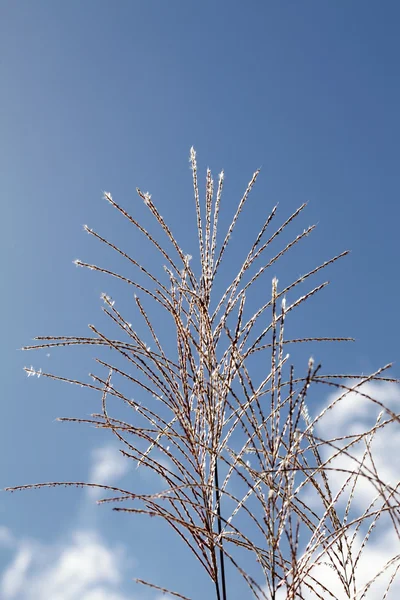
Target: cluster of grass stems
{"x": 209, "y": 410}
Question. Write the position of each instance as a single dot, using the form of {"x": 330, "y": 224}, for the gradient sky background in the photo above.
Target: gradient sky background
{"x": 102, "y": 95}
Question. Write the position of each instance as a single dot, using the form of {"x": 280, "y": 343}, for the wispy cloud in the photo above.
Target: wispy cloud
{"x": 6, "y": 537}
{"x": 85, "y": 568}
{"x": 353, "y": 415}
{"x": 15, "y": 575}
{"x": 108, "y": 466}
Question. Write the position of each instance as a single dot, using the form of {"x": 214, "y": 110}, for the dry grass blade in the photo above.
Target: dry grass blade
{"x": 254, "y": 486}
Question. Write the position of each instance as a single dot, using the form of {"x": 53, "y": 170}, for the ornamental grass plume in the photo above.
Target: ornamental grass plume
{"x": 223, "y": 419}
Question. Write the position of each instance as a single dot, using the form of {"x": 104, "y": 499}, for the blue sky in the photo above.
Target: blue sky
{"x": 111, "y": 95}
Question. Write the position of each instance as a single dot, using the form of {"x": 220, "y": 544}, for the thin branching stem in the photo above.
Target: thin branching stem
{"x": 223, "y": 424}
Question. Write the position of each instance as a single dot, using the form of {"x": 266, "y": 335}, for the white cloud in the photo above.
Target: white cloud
{"x": 353, "y": 415}
{"x": 83, "y": 569}
{"x": 355, "y": 407}
{"x": 6, "y": 537}
{"x": 14, "y": 576}
{"x": 108, "y": 466}
{"x": 372, "y": 560}
{"x": 356, "y": 414}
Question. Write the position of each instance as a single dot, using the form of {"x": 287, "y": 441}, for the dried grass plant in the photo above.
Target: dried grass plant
{"x": 244, "y": 471}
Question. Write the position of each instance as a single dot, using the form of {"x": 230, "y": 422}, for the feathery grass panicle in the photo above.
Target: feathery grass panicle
{"x": 246, "y": 471}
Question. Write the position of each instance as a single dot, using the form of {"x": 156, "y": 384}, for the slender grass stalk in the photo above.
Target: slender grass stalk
{"x": 210, "y": 403}
{"x": 221, "y": 553}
